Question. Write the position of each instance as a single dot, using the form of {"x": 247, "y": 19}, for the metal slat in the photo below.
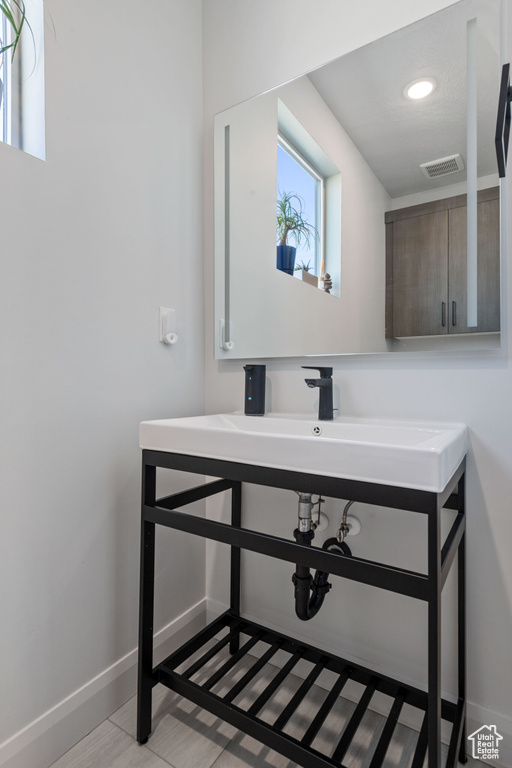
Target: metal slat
{"x": 192, "y": 646}
{"x": 387, "y": 733}
{"x": 451, "y": 545}
{"x": 230, "y": 663}
{"x": 254, "y": 727}
{"x": 183, "y": 498}
{"x": 353, "y": 725}
{"x": 211, "y": 652}
{"x": 421, "y": 745}
{"x": 320, "y": 660}
{"x": 252, "y": 672}
{"x": 452, "y": 502}
{"x": 326, "y": 707}
{"x": 300, "y": 694}
{"x": 336, "y": 487}
{"x": 387, "y": 685}
{"x": 379, "y": 575}
{"x": 274, "y": 685}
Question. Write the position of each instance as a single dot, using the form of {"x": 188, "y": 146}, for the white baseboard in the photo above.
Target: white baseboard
{"x": 44, "y": 740}
{"x": 477, "y": 715}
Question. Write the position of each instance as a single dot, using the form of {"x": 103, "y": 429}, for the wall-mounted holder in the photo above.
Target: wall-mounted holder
{"x": 503, "y": 121}
{"x": 168, "y": 326}
{"x": 226, "y": 335}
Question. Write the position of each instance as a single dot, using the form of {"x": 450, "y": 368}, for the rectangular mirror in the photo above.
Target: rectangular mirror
{"x": 394, "y": 200}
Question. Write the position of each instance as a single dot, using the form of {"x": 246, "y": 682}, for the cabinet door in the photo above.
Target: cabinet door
{"x": 420, "y": 275}
{"x": 488, "y": 269}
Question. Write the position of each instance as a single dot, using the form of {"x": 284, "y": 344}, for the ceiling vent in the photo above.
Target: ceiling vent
{"x": 443, "y": 167}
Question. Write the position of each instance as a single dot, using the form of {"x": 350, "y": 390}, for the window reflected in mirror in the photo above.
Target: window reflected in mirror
{"x": 309, "y": 203}
{"x": 299, "y": 183}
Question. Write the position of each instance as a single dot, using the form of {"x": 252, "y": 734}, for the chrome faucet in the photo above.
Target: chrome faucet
{"x": 324, "y": 383}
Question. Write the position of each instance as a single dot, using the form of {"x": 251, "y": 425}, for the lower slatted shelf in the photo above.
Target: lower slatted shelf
{"x": 227, "y": 680}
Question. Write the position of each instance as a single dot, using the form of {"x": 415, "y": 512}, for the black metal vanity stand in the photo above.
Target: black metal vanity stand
{"x": 239, "y": 636}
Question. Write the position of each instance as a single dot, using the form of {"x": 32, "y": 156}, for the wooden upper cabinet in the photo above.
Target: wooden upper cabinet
{"x": 488, "y": 249}
{"x": 420, "y": 275}
{"x": 426, "y": 271}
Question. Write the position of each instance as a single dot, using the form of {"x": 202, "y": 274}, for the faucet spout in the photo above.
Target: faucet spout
{"x": 324, "y": 384}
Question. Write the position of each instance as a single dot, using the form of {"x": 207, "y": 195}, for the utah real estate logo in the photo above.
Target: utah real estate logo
{"x": 485, "y": 743}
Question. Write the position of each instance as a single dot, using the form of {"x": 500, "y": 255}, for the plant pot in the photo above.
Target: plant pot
{"x": 286, "y": 258}
{"x": 307, "y": 277}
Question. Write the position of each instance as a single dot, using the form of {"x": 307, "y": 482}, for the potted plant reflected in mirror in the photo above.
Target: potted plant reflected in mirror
{"x": 291, "y": 223}
{"x": 13, "y": 11}
{"x": 305, "y": 274}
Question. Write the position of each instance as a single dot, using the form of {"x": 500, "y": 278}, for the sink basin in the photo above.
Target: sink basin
{"x": 411, "y": 454}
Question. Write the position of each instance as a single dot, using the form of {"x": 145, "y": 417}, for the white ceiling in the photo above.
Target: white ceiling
{"x": 364, "y": 90}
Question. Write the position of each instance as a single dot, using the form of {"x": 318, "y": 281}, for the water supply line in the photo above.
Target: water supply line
{"x": 349, "y": 525}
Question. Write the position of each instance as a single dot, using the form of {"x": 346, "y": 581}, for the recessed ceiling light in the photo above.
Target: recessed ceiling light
{"x": 420, "y": 88}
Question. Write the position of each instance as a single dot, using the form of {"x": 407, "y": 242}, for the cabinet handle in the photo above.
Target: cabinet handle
{"x": 443, "y": 314}
{"x": 454, "y": 313}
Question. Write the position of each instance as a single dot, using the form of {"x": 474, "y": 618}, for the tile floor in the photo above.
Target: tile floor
{"x": 185, "y": 736}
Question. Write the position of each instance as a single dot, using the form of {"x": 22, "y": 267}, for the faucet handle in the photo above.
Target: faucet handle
{"x": 325, "y": 373}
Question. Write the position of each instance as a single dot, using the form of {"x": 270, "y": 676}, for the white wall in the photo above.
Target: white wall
{"x": 251, "y": 47}
{"x": 93, "y": 241}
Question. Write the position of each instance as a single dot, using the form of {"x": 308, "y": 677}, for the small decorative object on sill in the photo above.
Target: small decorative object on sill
{"x": 305, "y": 275}
{"x": 327, "y": 283}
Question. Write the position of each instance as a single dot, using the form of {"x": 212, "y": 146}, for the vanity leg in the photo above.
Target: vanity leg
{"x": 461, "y": 557}
{"x": 461, "y": 590}
{"x": 146, "y": 610}
{"x": 434, "y": 640}
{"x": 236, "y": 521}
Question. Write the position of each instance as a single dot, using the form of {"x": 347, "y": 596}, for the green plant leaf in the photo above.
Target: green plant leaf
{"x": 291, "y": 220}
{"x": 14, "y": 13}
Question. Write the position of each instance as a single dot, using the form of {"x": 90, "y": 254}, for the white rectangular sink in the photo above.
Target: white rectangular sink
{"x": 408, "y": 454}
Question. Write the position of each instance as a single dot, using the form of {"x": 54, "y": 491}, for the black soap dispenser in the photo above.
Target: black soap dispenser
{"x": 254, "y": 402}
